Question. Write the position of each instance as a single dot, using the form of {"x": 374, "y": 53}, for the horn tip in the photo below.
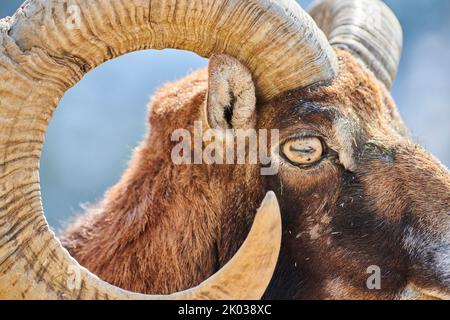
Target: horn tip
{"x": 270, "y": 200}
{"x": 270, "y": 196}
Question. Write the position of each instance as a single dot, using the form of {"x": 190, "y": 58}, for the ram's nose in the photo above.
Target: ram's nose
{"x": 430, "y": 264}
{"x": 425, "y": 191}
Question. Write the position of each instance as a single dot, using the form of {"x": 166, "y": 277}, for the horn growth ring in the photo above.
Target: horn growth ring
{"x": 43, "y": 52}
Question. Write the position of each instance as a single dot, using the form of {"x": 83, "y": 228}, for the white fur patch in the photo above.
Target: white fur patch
{"x": 336, "y": 288}
{"x": 344, "y": 135}
{"x": 314, "y": 232}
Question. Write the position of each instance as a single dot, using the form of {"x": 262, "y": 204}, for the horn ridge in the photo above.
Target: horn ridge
{"x": 366, "y": 28}
{"x": 45, "y": 49}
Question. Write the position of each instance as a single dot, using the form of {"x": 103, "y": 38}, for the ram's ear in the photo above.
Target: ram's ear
{"x": 231, "y": 101}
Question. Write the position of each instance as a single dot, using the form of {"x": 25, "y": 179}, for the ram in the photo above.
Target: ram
{"x": 355, "y": 193}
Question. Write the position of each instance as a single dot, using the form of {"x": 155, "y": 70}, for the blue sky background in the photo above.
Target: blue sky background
{"x": 101, "y": 120}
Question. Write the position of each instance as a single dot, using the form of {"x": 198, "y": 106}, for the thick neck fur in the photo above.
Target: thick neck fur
{"x": 164, "y": 227}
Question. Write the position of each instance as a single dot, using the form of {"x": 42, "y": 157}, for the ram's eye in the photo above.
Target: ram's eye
{"x": 304, "y": 151}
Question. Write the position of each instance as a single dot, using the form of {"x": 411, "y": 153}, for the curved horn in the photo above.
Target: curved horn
{"x": 366, "y": 28}
{"x": 277, "y": 40}
{"x": 37, "y": 267}
{"x": 47, "y": 47}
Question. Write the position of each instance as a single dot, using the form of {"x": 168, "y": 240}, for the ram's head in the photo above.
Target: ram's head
{"x": 355, "y": 193}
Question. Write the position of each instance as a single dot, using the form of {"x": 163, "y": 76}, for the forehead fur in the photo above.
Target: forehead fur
{"x": 357, "y": 94}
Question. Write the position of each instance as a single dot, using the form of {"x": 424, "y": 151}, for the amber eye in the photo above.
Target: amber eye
{"x": 304, "y": 151}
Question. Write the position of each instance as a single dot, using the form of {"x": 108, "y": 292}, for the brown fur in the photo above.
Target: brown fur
{"x": 150, "y": 234}
{"x": 164, "y": 227}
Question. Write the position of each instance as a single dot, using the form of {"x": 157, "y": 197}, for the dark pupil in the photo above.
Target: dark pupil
{"x": 305, "y": 150}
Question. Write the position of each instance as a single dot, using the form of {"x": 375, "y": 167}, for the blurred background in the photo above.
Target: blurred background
{"x": 101, "y": 120}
